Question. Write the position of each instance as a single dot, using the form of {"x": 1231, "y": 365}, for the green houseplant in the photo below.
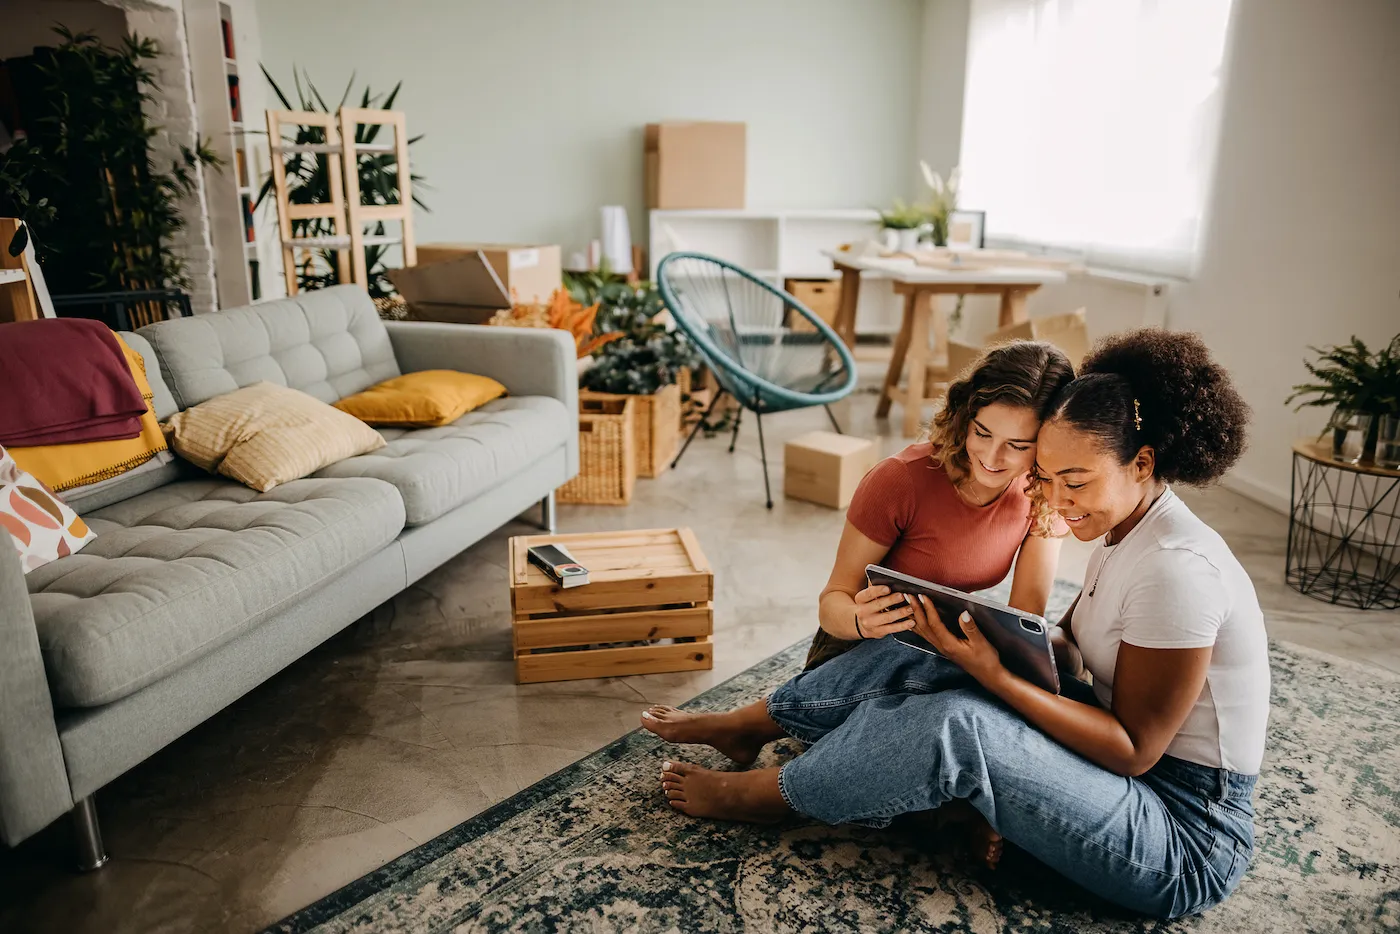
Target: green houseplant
{"x": 308, "y": 182}
{"x": 648, "y": 356}
{"x": 1350, "y": 378}
{"x": 102, "y": 214}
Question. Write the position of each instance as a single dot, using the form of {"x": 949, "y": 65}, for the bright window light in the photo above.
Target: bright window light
{"x": 1089, "y": 126}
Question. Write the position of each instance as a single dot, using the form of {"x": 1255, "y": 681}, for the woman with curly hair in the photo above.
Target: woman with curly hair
{"x": 955, "y": 509}
{"x": 1140, "y": 788}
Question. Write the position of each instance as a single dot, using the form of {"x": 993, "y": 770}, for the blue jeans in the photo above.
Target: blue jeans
{"x": 894, "y": 730}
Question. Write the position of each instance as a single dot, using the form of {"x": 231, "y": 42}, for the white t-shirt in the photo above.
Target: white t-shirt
{"x": 1172, "y": 583}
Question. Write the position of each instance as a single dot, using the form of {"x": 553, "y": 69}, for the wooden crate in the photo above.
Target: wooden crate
{"x": 654, "y": 426}
{"x": 644, "y": 586}
{"x": 607, "y": 461}
{"x": 821, "y": 296}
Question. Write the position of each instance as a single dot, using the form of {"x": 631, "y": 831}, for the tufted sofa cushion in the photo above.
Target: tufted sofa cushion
{"x": 178, "y": 571}
{"x": 438, "y": 469}
{"x": 328, "y": 343}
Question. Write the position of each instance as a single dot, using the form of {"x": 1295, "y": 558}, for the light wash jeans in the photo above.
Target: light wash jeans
{"x": 895, "y": 730}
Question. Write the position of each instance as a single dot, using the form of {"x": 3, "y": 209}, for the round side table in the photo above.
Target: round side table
{"x": 1343, "y": 530}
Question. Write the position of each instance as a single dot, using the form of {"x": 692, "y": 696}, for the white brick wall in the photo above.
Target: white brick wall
{"x": 173, "y": 111}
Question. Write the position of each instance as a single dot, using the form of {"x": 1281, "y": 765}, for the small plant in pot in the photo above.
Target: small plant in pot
{"x": 943, "y": 201}
{"x": 1362, "y": 388}
{"x": 906, "y": 221}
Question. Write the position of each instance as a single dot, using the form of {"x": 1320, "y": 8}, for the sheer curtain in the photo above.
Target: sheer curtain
{"x": 1089, "y": 125}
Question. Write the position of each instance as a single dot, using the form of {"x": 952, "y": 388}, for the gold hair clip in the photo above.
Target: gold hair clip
{"x": 1137, "y": 415}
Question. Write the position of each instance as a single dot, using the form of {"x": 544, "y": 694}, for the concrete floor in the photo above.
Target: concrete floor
{"x": 409, "y": 721}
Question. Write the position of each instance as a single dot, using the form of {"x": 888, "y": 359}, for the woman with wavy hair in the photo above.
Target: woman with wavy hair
{"x": 1140, "y": 788}
{"x": 955, "y": 509}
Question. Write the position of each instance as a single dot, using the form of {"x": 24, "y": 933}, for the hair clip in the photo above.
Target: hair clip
{"x": 1137, "y": 415}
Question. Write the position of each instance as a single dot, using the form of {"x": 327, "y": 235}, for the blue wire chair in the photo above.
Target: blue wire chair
{"x": 741, "y": 325}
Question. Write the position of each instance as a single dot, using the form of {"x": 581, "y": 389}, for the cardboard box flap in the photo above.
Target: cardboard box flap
{"x": 466, "y": 281}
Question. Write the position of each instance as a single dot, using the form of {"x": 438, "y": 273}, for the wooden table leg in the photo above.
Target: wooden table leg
{"x": 1013, "y": 306}
{"x": 918, "y": 358}
{"x": 901, "y": 347}
{"x": 845, "y": 324}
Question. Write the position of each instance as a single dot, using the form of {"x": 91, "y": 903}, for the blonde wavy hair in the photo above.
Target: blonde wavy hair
{"x": 1020, "y": 373}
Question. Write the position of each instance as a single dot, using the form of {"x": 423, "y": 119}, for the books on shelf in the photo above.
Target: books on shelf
{"x": 235, "y": 105}
{"x": 227, "y": 27}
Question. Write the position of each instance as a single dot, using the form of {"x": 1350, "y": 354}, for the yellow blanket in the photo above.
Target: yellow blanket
{"x": 67, "y": 466}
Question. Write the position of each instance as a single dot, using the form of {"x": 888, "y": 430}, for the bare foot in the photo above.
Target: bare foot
{"x": 741, "y": 796}
{"x": 726, "y": 732}
{"x": 982, "y": 843}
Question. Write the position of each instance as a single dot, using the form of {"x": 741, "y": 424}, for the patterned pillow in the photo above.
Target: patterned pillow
{"x": 42, "y": 527}
{"x": 265, "y": 434}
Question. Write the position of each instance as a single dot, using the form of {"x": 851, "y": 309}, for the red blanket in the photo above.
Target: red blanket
{"x": 65, "y": 380}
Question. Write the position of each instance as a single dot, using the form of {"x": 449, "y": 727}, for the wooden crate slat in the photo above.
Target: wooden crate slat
{"x": 613, "y": 663}
{"x": 614, "y": 627}
{"x": 621, "y": 592}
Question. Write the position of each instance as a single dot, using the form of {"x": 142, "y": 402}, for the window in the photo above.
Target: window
{"x": 1089, "y": 125}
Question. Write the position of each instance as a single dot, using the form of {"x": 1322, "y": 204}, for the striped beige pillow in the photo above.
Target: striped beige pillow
{"x": 265, "y": 434}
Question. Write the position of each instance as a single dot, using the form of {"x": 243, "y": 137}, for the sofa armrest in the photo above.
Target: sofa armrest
{"x": 33, "y": 780}
{"x": 527, "y": 361}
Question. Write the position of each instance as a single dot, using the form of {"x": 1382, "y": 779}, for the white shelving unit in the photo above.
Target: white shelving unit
{"x": 778, "y": 245}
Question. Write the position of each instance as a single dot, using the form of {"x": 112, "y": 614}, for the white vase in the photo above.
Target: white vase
{"x": 889, "y": 239}
{"x": 908, "y": 240}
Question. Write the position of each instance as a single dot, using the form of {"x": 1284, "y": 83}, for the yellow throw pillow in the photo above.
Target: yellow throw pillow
{"x": 265, "y": 434}
{"x": 62, "y": 467}
{"x": 426, "y": 399}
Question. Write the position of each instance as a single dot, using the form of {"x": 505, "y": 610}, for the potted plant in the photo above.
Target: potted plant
{"x": 103, "y": 216}
{"x": 1360, "y": 386}
{"x": 905, "y": 220}
{"x": 644, "y": 361}
{"x": 943, "y": 200}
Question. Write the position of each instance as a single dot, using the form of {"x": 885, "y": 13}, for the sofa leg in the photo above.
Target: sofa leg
{"x": 91, "y": 853}
{"x": 547, "y": 520}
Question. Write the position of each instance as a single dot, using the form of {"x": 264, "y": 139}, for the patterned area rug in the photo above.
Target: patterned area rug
{"x": 595, "y": 848}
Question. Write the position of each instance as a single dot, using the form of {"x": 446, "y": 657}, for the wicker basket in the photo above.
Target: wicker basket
{"x": 657, "y": 420}
{"x": 607, "y": 464}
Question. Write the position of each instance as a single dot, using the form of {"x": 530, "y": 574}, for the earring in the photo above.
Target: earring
{"x": 1137, "y": 415}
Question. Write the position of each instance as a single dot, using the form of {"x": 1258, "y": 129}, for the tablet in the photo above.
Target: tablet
{"x": 1022, "y": 639}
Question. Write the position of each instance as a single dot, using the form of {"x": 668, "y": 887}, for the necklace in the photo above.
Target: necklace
{"x": 1099, "y": 573}
{"x": 1095, "y": 586}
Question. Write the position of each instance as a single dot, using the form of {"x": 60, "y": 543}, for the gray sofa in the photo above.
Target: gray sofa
{"x": 197, "y": 589}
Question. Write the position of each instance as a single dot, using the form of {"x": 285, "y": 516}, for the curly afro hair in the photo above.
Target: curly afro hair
{"x": 1161, "y": 389}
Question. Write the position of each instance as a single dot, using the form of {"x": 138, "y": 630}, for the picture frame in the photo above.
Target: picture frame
{"x": 967, "y": 230}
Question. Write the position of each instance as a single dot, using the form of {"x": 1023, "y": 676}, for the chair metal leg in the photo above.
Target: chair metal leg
{"x": 547, "y": 514}
{"x": 738, "y": 417}
{"x": 698, "y": 425}
{"x": 91, "y": 853}
{"x": 763, "y": 453}
{"x": 834, "y": 423}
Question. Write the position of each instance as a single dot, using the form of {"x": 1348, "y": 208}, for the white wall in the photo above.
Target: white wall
{"x": 533, "y": 112}
{"x": 1302, "y": 240}
{"x": 942, "y": 74}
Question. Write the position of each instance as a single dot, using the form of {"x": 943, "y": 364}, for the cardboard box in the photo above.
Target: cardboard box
{"x": 530, "y": 273}
{"x": 695, "y": 165}
{"x": 1068, "y": 332}
{"x": 824, "y": 467}
{"x": 821, "y": 296}
{"x": 464, "y": 290}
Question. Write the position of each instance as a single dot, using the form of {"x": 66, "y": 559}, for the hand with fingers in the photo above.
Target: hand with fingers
{"x": 971, "y": 652}
{"x": 880, "y": 613}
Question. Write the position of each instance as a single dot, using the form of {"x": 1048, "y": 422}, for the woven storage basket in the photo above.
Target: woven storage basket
{"x": 656, "y": 420}
{"x": 607, "y": 464}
